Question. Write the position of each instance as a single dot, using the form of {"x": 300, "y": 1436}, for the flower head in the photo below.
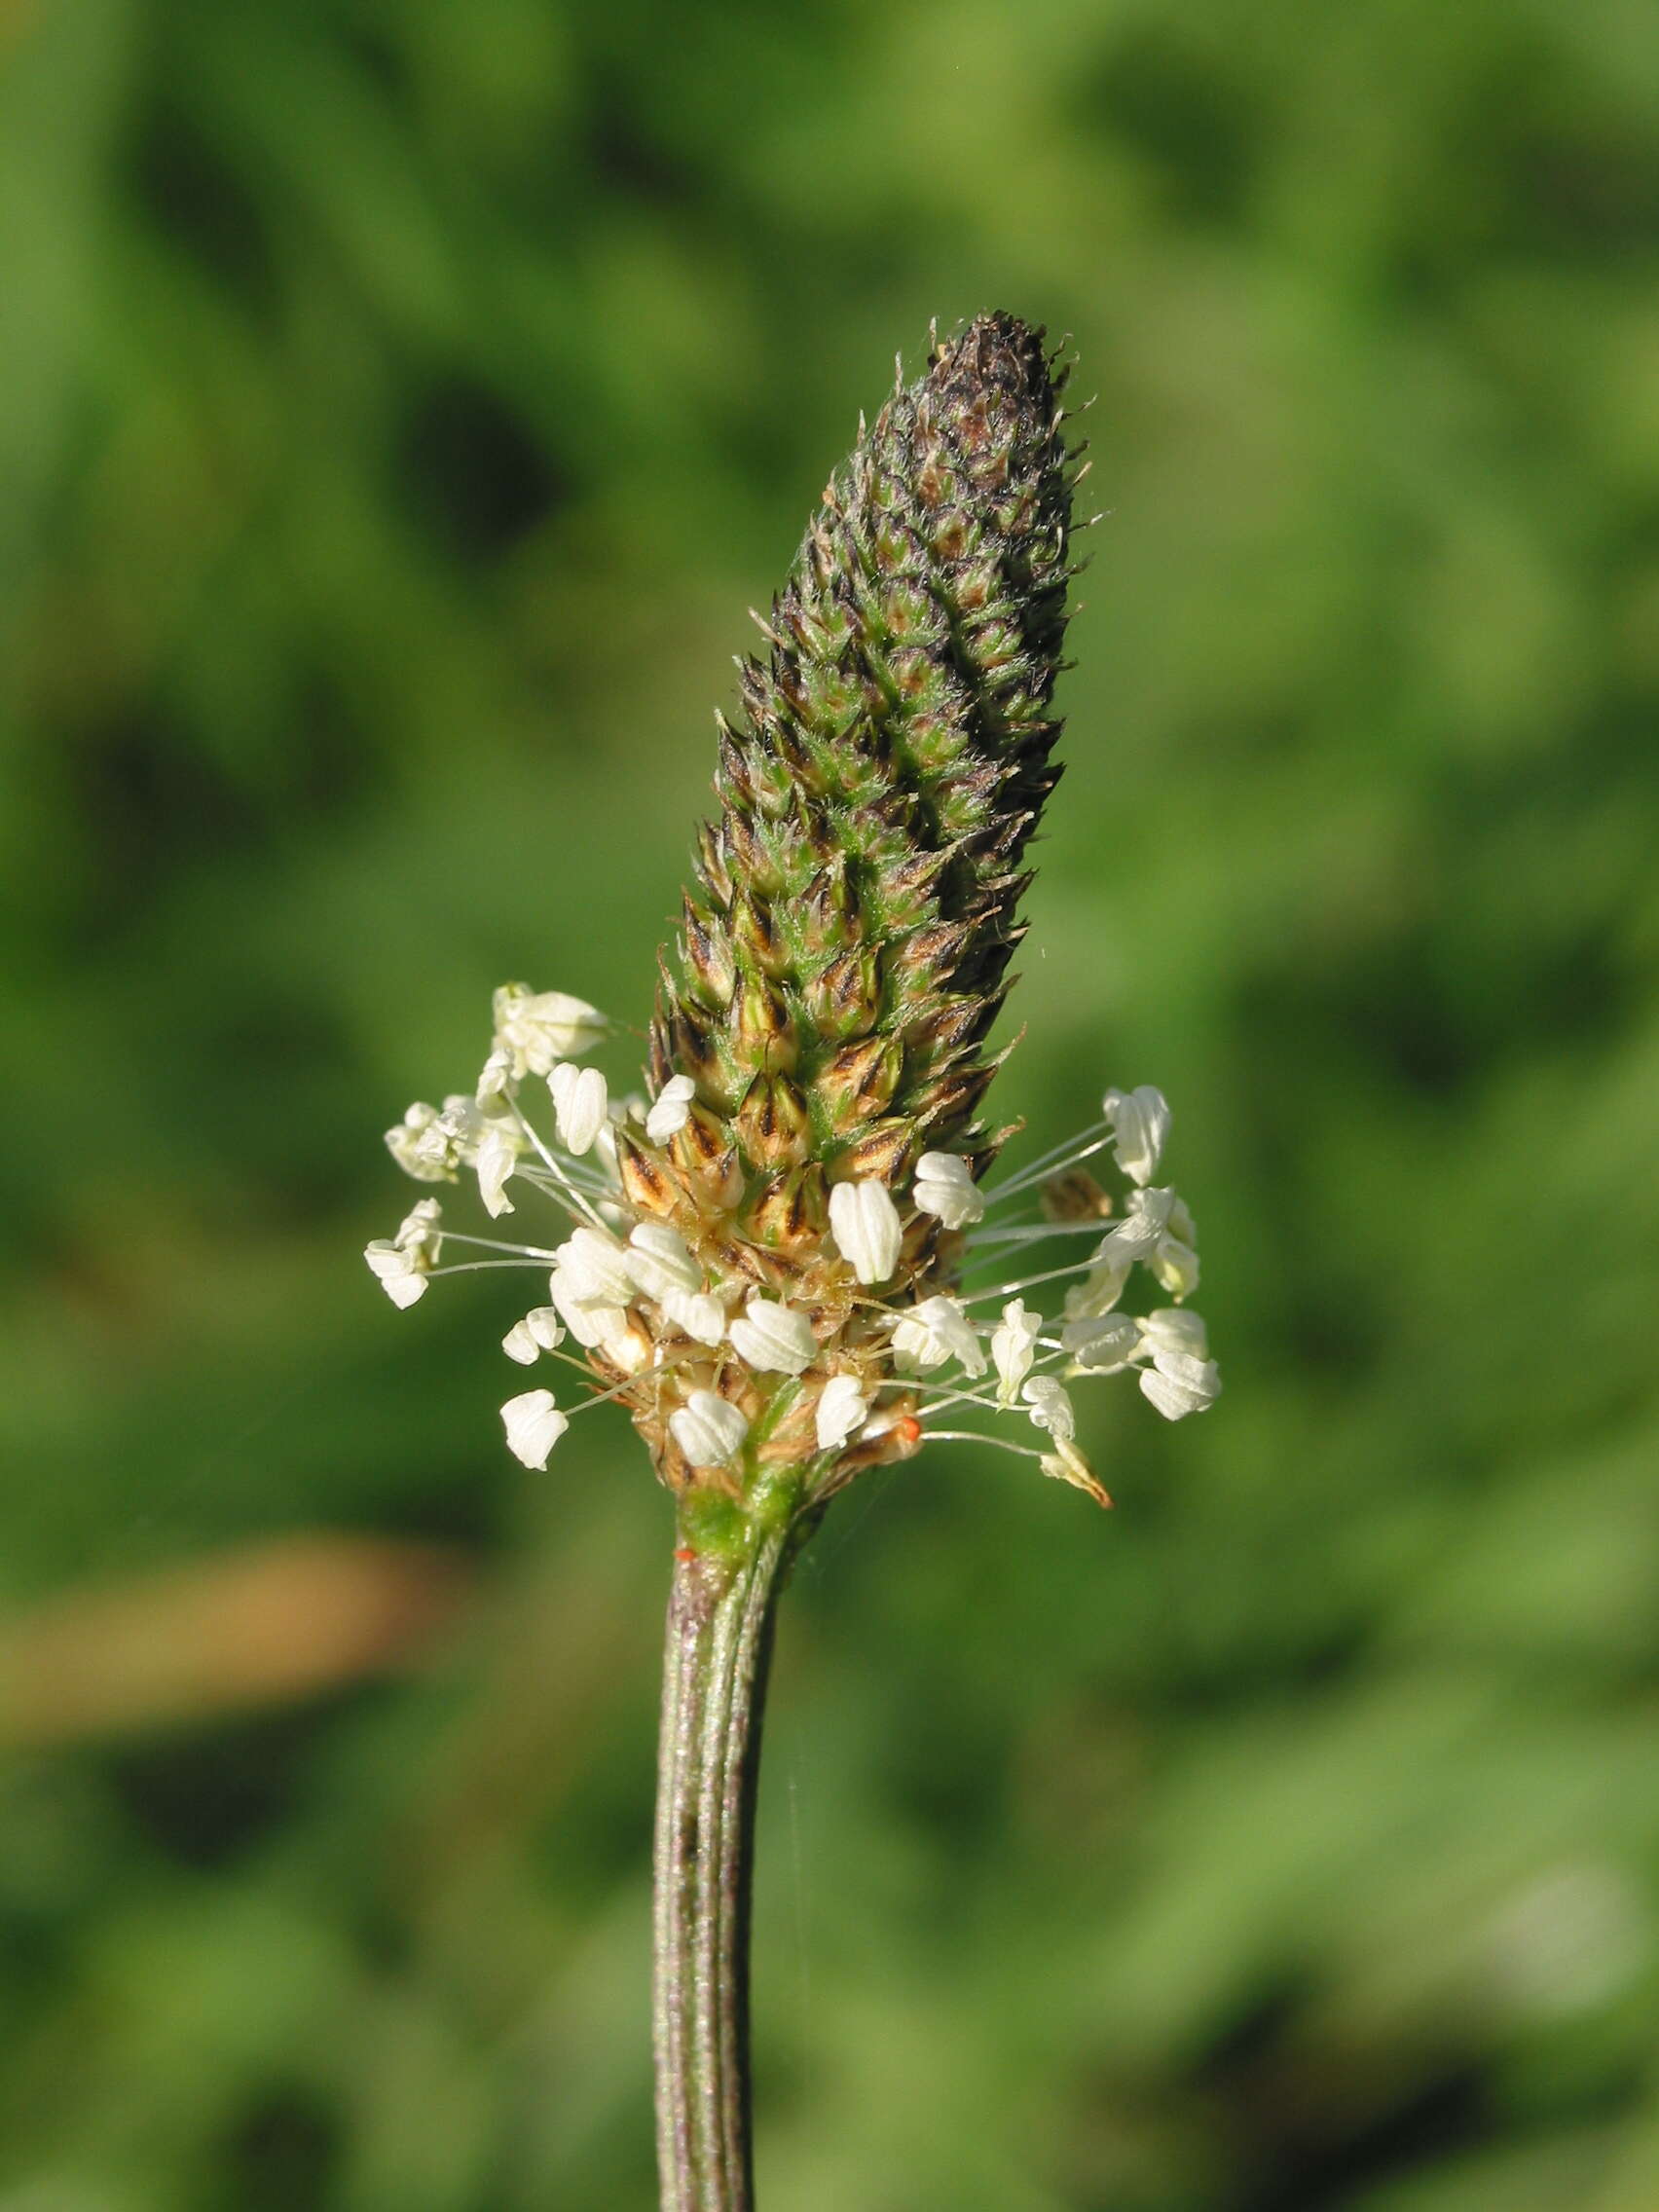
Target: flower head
{"x": 792, "y": 1258}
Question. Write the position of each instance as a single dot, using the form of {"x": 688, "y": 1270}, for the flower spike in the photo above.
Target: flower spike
{"x": 783, "y": 1256}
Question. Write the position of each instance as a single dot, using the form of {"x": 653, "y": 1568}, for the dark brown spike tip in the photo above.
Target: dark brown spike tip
{"x": 998, "y": 353}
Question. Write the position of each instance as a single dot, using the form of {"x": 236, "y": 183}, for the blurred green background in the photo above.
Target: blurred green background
{"x": 403, "y": 401}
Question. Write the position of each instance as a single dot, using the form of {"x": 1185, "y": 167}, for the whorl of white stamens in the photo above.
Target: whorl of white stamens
{"x": 646, "y": 1296}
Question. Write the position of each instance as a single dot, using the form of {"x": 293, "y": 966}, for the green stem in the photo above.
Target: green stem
{"x": 718, "y": 1650}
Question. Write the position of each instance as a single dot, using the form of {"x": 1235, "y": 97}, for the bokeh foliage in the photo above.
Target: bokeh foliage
{"x": 403, "y": 398}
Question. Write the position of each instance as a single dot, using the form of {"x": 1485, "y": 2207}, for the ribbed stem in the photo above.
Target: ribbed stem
{"x": 719, "y": 1645}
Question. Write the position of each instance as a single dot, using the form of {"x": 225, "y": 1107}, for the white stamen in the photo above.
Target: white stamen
{"x": 594, "y": 1269}
{"x": 945, "y": 1188}
{"x": 534, "y": 1424}
{"x": 698, "y": 1312}
{"x": 538, "y": 1027}
{"x": 1146, "y": 1215}
{"x": 1051, "y": 1408}
{"x": 934, "y": 1330}
{"x": 773, "y": 1338}
{"x": 708, "y": 1430}
{"x": 671, "y": 1109}
{"x": 407, "y": 1147}
{"x": 1103, "y": 1343}
{"x": 866, "y": 1226}
{"x": 1098, "y": 1292}
{"x": 1170, "y": 1330}
{"x": 496, "y": 1086}
{"x": 658, "y": 1261}
{"x": 581, "y": 1102}
{"x": 396, "y": 1271}
{"x": 589, "y": 1322}
{"x": 402, "y": 1263}
{"x": 1140, "y": 1128}
{"x": 1179, "y": 1385}
{"x": 1012, "y": 1348}
{"x": 498, "y": 1157}
{"x": 538, "y": 1332}
{"x": 843, "y": 1407}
